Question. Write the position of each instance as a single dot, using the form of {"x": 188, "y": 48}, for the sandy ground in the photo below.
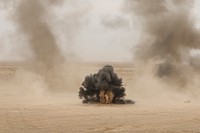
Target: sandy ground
{"x": 25, "y": 110}
{"x": 69, "y": 115}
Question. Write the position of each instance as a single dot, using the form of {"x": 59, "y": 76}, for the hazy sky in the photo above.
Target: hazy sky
{"x": 100, "y": 30}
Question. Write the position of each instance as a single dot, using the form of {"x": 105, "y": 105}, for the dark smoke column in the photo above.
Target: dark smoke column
{"x": 168, "y": 35}
{"x": 30, "y": 15}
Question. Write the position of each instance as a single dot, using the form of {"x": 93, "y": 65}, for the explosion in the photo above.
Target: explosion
{"x": 104, "y": 87}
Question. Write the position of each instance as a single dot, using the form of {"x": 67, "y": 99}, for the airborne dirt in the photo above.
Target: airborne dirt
{"x": 164, "y": 83}
{"x": 154, "y": 111}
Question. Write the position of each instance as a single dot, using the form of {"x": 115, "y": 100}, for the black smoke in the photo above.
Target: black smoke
{"x": 107, "y": 79}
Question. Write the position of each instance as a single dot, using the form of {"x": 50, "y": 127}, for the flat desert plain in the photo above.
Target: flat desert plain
{"x": 69, "y": 115}
{"x": 56, "y": 113}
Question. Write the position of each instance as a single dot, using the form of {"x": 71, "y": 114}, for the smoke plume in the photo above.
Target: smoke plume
{"x": 168, "y": 34}
{"x": 167, "y": 37}
{"x": 41, "y": 39}
{"x": 48, "y": 60}
{"x": 105, "y": 83}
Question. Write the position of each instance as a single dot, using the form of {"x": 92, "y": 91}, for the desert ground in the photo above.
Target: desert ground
{"x": 70, "y": 115}
{"x": 65, "y": 113}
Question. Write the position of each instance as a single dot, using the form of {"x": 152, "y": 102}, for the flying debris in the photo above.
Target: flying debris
{"x": 103, "y": 87}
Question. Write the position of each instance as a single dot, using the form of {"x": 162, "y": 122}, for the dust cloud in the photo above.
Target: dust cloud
{"x": 115, "y": 22}
{"x": 163, "y": 59}
{"x": 163, "y": 55}
{"x": 50, "y": 70}
{"x": 165, "y": 81}
{"x": 41, "y": 40}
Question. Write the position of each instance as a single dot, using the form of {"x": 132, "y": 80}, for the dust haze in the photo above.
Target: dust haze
{"x": 40, "y": 93}
{"x": 163, "y": 55}
{"x": 50, "y": 70}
